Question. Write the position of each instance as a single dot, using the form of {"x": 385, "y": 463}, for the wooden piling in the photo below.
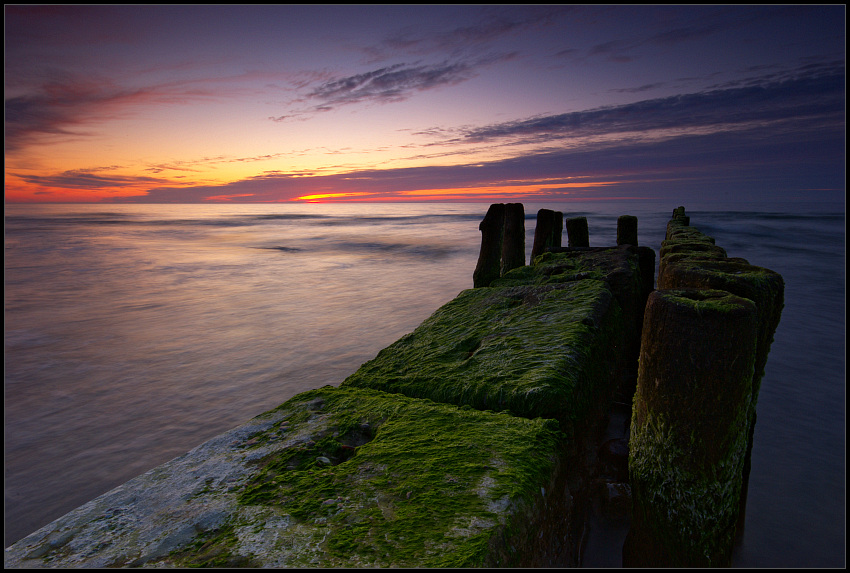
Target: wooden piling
{"x": 627, "y": 230}
{"x": 558, "y": 229}
{"x": 764, "y": 287}
{"x": 689, "y": 428}
{"x": 577, "y": 234}
{"x": 544, "y": 232}
{"x": 488, "y": 267}
{"x": 513, "y": 242}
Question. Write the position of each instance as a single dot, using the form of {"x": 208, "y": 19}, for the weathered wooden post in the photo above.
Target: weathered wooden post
{"x": 544, "y": 233}
{"x": 513, "y": 242}
{"x": 490, "y": 256}
{"x": 627, "y": 230}
{"x": 764, "y": 287}
{"x": 689, "y": 428}
{"x": 646, "y": 256}
{"x": 558, "y": 229}
{"x": 678, "y": 220}
{"x": 577, "y": 235}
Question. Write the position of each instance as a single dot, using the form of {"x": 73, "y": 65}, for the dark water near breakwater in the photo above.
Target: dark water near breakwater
{"x": 135, "y": 332}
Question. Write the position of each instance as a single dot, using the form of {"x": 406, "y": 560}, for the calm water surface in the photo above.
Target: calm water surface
{"x": 135, "y": 332}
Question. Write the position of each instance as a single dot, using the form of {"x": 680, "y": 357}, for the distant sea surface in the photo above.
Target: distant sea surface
{"x": 133, "y": 333}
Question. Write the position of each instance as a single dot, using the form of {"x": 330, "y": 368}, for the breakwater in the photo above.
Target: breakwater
{"x": 706, "y": 337}
{"x": 340, "y": 476}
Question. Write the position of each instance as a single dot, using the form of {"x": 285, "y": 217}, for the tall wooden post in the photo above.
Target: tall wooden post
{"x": 627, "y": 230}
{"x": 513, "y": 242}
{"x": 490, "y": 256}
{"x": 544, "y": 232}
{"x": 577, "y": 235}
{"x": 690, "y": 427}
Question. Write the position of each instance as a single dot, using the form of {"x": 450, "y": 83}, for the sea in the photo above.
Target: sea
{"x": 133, "y": 333}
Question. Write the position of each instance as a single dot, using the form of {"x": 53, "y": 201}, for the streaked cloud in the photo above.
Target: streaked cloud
{"x": 88, "y": 179}
{"x": 73, "y": 106}
{"x": 236, "y": 103}
{"x": 782, "y": 162}
{"x": 497, "y": 23}
{"x": 802, "y": 97}
{"x": 390, "y": 84}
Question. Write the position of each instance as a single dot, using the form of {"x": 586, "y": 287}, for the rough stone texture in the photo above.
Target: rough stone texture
{"x": 690, "y": 428}
{"x": 335, "y": 477}
{"x": 621, "y": 267}
{"x": 532, "y": 350}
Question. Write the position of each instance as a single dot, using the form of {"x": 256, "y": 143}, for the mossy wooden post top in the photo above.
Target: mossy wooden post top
{"x": 705, "y": 340}
{"x": 702, "y": 303}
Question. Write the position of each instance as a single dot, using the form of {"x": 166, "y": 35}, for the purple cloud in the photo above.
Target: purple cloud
{"x": 389, "y": 84}
{"x": 88, "y": 179}
{"x": 812, "y": 97}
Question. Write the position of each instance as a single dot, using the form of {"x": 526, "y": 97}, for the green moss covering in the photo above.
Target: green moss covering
{"x": 694, "y": 409}
{"x": 705, "y": 302}
{"x": 212, "y": 548}
{"x": 544, "y": 351}
{"x": 573, "y": 265}
{"x": 427, "y": 485}
{"x": 763, "y": 286}
{"x": 552, "y": 268}
{"x": 690, "y": 245}
{"x": 690, "y": 513}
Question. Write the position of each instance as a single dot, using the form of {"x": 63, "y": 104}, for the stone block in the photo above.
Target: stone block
{"x": 546, "y": 351}
{"x": 334, "y": 477}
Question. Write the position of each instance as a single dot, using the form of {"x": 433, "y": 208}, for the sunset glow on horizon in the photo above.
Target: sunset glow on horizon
{"x": 272, "y": 104}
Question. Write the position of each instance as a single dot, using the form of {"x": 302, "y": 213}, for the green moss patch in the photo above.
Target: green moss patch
{"x": 536, "y": 351}
{"x": 690, "y": 514}
{"x": 569, "y": 265}
{"x": 428, "y": 485}
{"x": 335, "y": 477}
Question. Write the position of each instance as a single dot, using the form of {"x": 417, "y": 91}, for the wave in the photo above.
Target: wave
{"x": 107, "y": 218}
{"x": 420, "y": 251}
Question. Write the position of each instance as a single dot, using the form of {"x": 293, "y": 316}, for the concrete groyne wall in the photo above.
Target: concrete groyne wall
{"x": 472, "y": 441}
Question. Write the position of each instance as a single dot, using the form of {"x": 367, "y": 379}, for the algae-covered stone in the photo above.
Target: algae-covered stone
{"x": 545, "y": 351}
{"x": 335, "y": 477}
{"x": 627, "y": 270}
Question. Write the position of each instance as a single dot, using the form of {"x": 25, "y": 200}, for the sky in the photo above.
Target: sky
{"x": 489, "y": 103}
